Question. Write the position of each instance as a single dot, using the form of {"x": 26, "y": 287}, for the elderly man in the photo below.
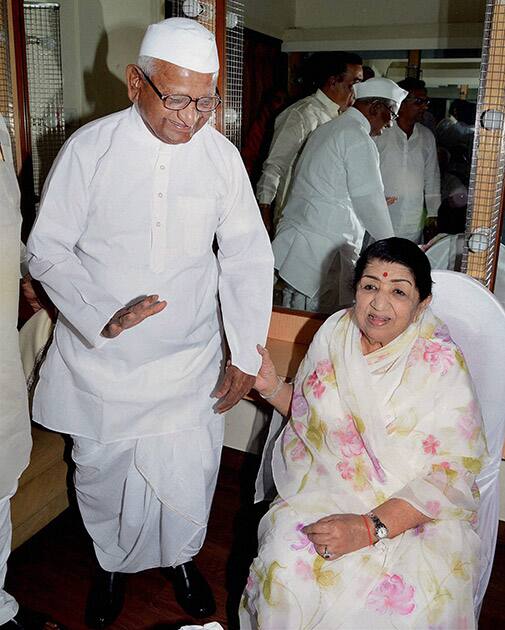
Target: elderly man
{"x": 409, "y": 165}
{"x": 336, "y": 74}
{"x": 337, "y": 195}
{"x": 124, "y": 246}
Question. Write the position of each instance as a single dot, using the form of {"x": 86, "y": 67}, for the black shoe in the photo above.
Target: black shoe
{"x": 26, "y": 619}
{"x": 191, "y": 590}
{"x": 105, "y": 599}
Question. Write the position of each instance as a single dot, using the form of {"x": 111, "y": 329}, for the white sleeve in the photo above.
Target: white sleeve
{"x": 23, "y": 260}
{"x": 51, "y": 258}
{"x": 431, "y": 177}
{"x": 289, "y": 135}
{"x": 246, "y": 272}
{"x": 367, "y": 191}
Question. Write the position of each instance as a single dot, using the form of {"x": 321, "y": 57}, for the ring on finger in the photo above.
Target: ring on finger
{"x": 326, "y": 554}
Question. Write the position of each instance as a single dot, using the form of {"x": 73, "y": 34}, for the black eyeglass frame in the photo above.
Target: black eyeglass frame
{"x": 394, "y": 115}
{"x": 163, "y": 97}
{"x": 418, "y": 100}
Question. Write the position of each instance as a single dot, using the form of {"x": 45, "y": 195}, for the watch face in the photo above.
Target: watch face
{"x": 382, "y": 532}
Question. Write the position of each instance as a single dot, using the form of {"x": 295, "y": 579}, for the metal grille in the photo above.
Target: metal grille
{"x": 6, "y": 92}
{"x": 234, "y": 67}
{"x": 45, "y": 86}
{"x": 488, "y": 160}
{"x": 205, "y": 13}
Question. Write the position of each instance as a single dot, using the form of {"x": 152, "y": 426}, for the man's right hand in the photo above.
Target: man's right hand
{"x": 130, "y": 316}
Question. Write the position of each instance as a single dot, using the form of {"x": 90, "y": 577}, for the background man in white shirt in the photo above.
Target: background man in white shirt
{"x": 337, "y": 195}
{"x": 337, "y": 72}
{"x": 409, "y": 165}
{"x": 123, "y": 244}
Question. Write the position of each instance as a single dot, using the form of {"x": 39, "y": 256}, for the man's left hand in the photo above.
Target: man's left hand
{"x": 234, "y": 386}
{"x": 430, "y": 228}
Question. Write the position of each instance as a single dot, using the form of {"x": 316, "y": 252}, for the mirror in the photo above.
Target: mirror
{"x": 448, "y": 56}
{"x": 99, "y": 38}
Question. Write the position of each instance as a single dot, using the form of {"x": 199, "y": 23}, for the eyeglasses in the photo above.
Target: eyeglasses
{"x": 203, "y": 104}
{"x": 391, "y": 111}
{"x": 418, "y": 100}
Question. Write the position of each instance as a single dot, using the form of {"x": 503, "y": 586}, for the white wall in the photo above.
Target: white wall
{"x": 364, "y": 13}
{"x": 99, "y": 38}
{"x": 367, "y": 24}
{"x": 272, "y": 17}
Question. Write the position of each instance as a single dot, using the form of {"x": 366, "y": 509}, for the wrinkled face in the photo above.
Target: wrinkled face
{"x": 342, "y": 92}
{"x": 170, "y": 126}
{"x": 380, "y": 116}
{"x": 414, "y": 105}
{"x": 387, "y": 301}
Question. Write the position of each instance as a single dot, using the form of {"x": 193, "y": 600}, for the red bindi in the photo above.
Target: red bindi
{"x": 385, "y": 274}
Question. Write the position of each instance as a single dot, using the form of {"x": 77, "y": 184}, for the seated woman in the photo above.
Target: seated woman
{"x": 375, "y": 469}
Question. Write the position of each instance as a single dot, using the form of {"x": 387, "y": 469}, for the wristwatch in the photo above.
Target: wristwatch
{"x": 381, "y": 531}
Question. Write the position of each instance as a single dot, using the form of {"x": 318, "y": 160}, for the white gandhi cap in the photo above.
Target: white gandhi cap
{"x": 183, "y": 42}
{"x": 380, "y": 88}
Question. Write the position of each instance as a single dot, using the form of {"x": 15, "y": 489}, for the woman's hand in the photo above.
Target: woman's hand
{"x": 267, "y": 379}
{"x": 337, "y": 534}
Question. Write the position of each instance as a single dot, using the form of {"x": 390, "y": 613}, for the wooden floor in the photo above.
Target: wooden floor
{"x": 53, "y": 571}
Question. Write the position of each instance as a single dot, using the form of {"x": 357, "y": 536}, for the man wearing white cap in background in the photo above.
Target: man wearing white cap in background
{"x": 123, "y": 245}
{"x": 409, "y": 165}
{"x": 335, "y": 73}
{"x": 337, "y": 195}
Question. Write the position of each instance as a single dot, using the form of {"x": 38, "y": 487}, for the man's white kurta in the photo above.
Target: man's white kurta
{"x": 409, "y": 168}
{"x": 292, "y": 128}
{"x": 15, "y": 441}
{"x": 125, "y": 215}
{"x": 337, "y": 194}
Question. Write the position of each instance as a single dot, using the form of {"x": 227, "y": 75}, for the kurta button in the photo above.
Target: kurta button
{"x": 158, "y": 224}
{"x": 160, "y": 194}
{"x": 162, "y": 166}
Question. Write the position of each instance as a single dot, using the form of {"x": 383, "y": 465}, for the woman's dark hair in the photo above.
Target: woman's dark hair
{"x": 403, "y": 252}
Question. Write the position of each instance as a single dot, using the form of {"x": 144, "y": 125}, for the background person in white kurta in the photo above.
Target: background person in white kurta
{"x": 337, "y": 195}
{"x": 131, "y": 209}
{"x": 335, "y": 74}
{"x": 15, "y": 438}
{"x": 409, "y": 165}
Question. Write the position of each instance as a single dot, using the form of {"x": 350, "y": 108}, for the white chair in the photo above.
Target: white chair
{"x": 446, "y": 253}
{"x": 476, "y": 321}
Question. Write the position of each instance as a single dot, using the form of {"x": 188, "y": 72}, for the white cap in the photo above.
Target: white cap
{"x": 183, "y": 42}
{"x": 380, "y": 88}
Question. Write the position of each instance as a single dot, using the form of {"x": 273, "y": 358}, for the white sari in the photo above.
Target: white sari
{"x": 400, "y": 422}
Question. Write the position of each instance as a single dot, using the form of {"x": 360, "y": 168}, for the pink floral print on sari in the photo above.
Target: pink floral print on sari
{"x": 298, "y": 452}
{"x": 348, "y": 439}
{"x": 318, "y": 387}
{"x": 304, "y": 569}
{"x": 392, "y": 595}
{"x": 346, "y": 470}
{"x": 299, "y": 406}
{"x": 439, "y": 356}
{"x": 469, "y": 423}
{"x": 325, "y": 371}
{"x": 299, "y": 540}
{"x": 433, "y": 508}
{"x": 430, "y": 445}
{"x": 442, "y": 333}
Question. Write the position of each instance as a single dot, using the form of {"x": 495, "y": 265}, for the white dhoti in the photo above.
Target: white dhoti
{"x": 8, "y": 605}
{"x": 146, "y": 502}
